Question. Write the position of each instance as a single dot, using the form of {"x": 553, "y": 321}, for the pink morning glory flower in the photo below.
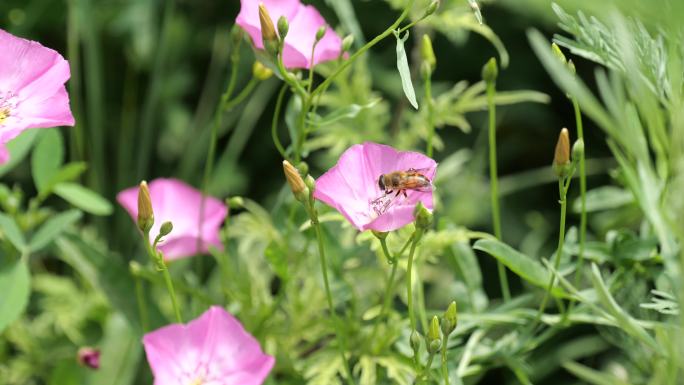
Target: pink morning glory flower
{"x": 213, "y": 349}
{"x": 32, "y": 92}
{"x": 175, "y": 201}
{"x": 352, "y": 186}
{"x": 304, "y": 22}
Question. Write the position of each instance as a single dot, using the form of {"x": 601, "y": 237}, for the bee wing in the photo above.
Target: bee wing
{"x": 423, "y": 171}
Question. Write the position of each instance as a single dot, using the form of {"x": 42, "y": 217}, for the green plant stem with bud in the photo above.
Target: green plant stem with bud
{"x": 274, "y": 122}
{"x": 161, "y": 266}
{"x": 445, "y": 367}
{"x": 494, "y": 181}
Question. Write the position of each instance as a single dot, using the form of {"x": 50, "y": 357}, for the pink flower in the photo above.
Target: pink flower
{"x": 352, "y": 185}
{"x": 89, "y": 357}
{"x": 304, "y": 21}
{"x": 175, "y": 201}
{"x": 212, "y": 349}
{"x": 32, "y": 92}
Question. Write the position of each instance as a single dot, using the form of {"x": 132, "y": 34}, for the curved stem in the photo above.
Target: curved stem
{"x": 242, "y": 95}
{"x": 494, "y": 190}
{"x": 274, "y": 122}
{"x": 365, "y": 48}
{"x": 161, "y": 266}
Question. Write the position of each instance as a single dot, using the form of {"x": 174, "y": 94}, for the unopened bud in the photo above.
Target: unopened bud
{"x": 561, "y": 156}
{"x": 490, "y": 71}
{"x": 89, "y": 357}
{"x": 236, "y": 203}
{"x": 145, "y": 212}
{"x": 415, "y": 340}
{"x": 165, "y": 229}
{"x": 283, "y": 27}
{"x": 427, "y": 53}
{"x": 432, "y": 8}
{"x": 303, "y": 168}
{"x": 578, "y": 149}
{"x": 558, "y": 53}
{"x": 571, "y": 67}
{"x": 299, "y": 189}
{"x": 268, "y": 32}
{"x": 310, "y": 182}
{"x": 423, "y": 216}
{"x": 433, "y": 336}
{"x": 450, "y": 319}
{"x": 260, "y": 71}
{"x": 347, "y": 43}
{"x": 320, "y": 33}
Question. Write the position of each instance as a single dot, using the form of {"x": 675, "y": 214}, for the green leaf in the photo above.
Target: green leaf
{"x": 522, "y": 265}
{"x": 122, "y": 349}
{"x": 18, "y": 149}
{"x": 10, "y": 230}
{"x": 628, "y": 324}
{"x": 65, "y": 174}
{"x": 346, "y": 112}
{"x": 67, "y": 372}
{"x": 52, "y": 228}
{"x": 604, "y": 198}
{"x": 83, "y": 198}
{"x": 15, "y": 286}
{"x": 404, "y": 71}
{"x": 592, "y": 376}
{"x": 47, "y": 157}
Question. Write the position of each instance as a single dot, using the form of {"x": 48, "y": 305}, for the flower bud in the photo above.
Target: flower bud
{"x": 347, "y": 43}
{"x": 450, "y": 319}
{"x": 165, "y": 229}
{"x": 268, "y": 32}
{"x": 260, "y": 71}
{"x": 310, "y": 182}
{"x": 320, "y": 33}
{"x": 145, "y": 212}
{"x": 303, "y": 168}
{"x": 433, "y": 337}
{"x": 423, "y": 216}
{"x": 415, "y": 341}
{"x": 283, "y": 27}
{"x": 558, "y": 53}
{"x": 89, "y": 357}
{"x": 490, "y": 71}
{"x": 431, "y": 8}
{"x": 235, "y": 203}
{"x": 578, "y": 149}
{"x": 561, "y": 156}
{"x": 571, "y": 67}
{"x": 299, "y": 189}
{"x": 427, "y": 53}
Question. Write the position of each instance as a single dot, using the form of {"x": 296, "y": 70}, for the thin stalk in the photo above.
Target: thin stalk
{"x": 583, "y": 192}
{"x": 445, "y": 368}
{"x": 161, "y": 266}
{"x": 494, "y": 190}
{"x": 73, "y": 53}
{"x": 324, "y": 268}
{"x": 563, "y": 191}
{"x": 430, "y": 112}
{"x": 363, "y": 49}
{"x": 409, "y": 284}
{"x": 242, "y": 95}
{"x": 274, "y": 122}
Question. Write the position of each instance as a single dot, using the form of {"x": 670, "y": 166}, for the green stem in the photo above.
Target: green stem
{"x": 583, "y": 192}
{"x": 494, "y": 190}
{"x": 274, "y": 122}
{"x": 161, "y": 266}
{"x": 445, "y": 368}
{"x": 242, "y": 95}
{"x": 142, "y": 308}
{"x": 409, "y": 284}
{"x": 430, "y": 112}
{"x": 365, "y": 48}
{"x": 563, "y": 191}
{"x": 324, "y": 268}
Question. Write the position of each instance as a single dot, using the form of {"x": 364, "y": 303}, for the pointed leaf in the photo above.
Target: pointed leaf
{"x": 83, "y": 198}
{"x": 15, "y": 286}
{"x": 10, "y": 230}
{"x": 18, "y": 148}
{"x": 52, "y": 228}
{"x": 47, "y": 157}
{"x": 404, "y": 71}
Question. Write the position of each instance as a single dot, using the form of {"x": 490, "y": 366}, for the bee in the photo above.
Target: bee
{"x": 399, "y": 182}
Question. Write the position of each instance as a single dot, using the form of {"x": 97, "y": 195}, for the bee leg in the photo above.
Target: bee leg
{"x": 387, "y": 192}
{"x": 398, "y": 192}
{"x": 405, "y": 194}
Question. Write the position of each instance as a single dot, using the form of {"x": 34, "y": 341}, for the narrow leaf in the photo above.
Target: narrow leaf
{"x": 67, "y": 173}
{"x": 10, "y": 230}
{"x": 47, "y": 157}
{"x": 52, "y": 228}
{"x": 84, "y": 199}
{"x": 15, "y": 286}
{"x": 346, "y": 112}
{"x": 404, "y": 71}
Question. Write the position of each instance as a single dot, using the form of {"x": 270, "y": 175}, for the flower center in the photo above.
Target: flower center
{"x": 197, "y": 381}
{"x": 6, "y": 105}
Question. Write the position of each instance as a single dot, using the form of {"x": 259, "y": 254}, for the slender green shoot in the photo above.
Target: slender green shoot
{"x": 583, "y": 192}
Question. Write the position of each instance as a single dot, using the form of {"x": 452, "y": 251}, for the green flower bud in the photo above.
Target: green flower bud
{"x": 433, "y": 330}
{"x": 571, "y": 67}
{"x": 145, "y": 212}
{"x": 434, "y": 346}
{"x": 303, "y": 168}
{"x": 310, "y": 182}
{"x": 320, "y": 33}
{"x": 427, "y": 53}
{"x": 578, "y": 149}
{"x": 165, "y": 228}
{"x": 283, "y": 27}
{"x": 423, "y": 216}
{"x": 490, "y": 71}
{"x": 347, "y": 43}
{"x": 260, "y": 71}
{"x": 415, "y": 340}
{"x": 432, "y": 8}
{"x": 235, "y": 203}
{"x": 450, "y": 319}
{"x": 561, "y": 156}
{"x": 558, "y": 53}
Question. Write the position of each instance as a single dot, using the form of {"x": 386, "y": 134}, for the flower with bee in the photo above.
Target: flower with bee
{"x": 377, "y": 187}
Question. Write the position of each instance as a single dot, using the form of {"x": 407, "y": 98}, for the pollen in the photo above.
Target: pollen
{"x": 6, "y": 105}
{"x": 197, "y": 381}
{"x": 4, "y": 114}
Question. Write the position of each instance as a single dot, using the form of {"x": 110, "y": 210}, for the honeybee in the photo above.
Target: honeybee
{"x": 401, "y": 182}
